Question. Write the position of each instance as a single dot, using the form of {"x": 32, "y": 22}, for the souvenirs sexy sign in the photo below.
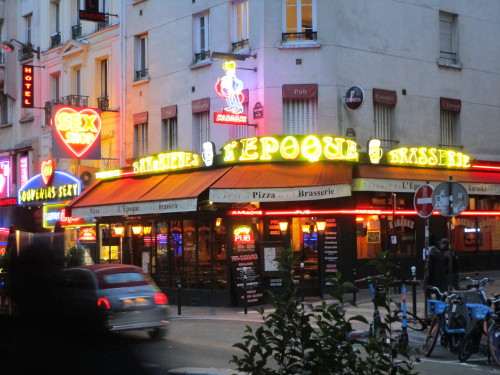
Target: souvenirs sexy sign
{"x": 77, "y": 133}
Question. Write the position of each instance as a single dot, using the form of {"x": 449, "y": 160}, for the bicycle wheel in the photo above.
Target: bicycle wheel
{"x": 430, "y": 341}
{"x": 455, "y": 339}
{"x": 469, "y": 343}
{"x": 494, "y": 341}
{"x": 414, "y": 322}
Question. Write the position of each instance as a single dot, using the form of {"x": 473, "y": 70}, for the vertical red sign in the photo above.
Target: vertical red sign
{"x": 27, "y": 89}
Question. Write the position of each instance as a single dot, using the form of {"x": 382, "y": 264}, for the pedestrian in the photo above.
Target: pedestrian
{"x": 444, "y": 246}
{"x": 435, "y": 267}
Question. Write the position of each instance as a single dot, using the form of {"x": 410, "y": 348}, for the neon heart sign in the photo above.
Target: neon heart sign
{"x": 47, "y": 170}
{"x": 78, "y": 129}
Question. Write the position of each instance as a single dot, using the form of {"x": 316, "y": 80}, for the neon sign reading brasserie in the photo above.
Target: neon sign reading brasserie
{"x": 428, "y": 157}
{"x": 291, "y": 147}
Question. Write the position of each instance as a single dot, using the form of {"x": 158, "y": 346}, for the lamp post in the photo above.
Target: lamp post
{"x": 7, "y": 46}
{"x": 284, "y": 228}
{"x": 320, "y": 226}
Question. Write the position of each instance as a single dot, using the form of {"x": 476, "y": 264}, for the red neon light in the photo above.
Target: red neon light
{"x": 230, "y": 118}
{"x": 27, "y": 91}
{"x": 355, "y": 211}
{"x": 487, "y": 167}
{"x": 47, "y": 168}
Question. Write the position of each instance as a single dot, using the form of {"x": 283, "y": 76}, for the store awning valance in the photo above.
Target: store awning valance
{"x": 407, "y": 180}
{"x": 283, "y": 182}
{"x": 144, "y": 195}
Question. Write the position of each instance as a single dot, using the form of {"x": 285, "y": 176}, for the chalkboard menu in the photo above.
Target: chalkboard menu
{"x": 249, "y": 265}
{"x": 330, "y": 246}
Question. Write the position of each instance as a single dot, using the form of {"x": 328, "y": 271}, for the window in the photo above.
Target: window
{"x": 141, "y": 57}
{"x": 169, "y": 134}
{"x": 201, "y": 130}
{"x": 448, "y": 39}
{"x": 27, "y": 22}
{"x": 6, "y": 109}
{"x": 240, "y": 19}
{"x": 448, "y": 120}
{"x": 299, "y": 20}
{"x": 383, "y": 115}
{"x": 140, "y": 140}
{"x": 55, "y": 16}
{"x": 77, "y": 81}
{"x": 103, "y": 99}
{"x": 202, "y": 47}
{"x": 299, "y": 116}
{"x": 55, "y": 86}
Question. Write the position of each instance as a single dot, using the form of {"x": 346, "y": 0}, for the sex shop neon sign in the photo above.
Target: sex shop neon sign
{"x": 77, "y": 133}
{"x": 291, "y": 147}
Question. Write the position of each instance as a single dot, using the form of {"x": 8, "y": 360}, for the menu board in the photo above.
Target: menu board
{"x": 249, "y": 265}
{"x": 331, "y": 252}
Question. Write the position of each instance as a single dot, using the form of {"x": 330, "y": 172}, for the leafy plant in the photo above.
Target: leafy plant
{"x": 75, "y": 256}
{"x": 295, "y": 340}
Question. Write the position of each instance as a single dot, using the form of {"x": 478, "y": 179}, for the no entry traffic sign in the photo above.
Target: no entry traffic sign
{"x": 423, "y": 201}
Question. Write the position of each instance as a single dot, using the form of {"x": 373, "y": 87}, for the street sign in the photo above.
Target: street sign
{"x": 450, "y": 198}
{"x": 423, "y": 201}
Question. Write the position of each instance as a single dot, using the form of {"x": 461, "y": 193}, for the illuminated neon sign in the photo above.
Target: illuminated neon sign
{"x": 27, "y": 91}
{"x": 77, "y": 132}
{"x": 166, "y": 161}
{"x": 230, "y": 118}
{"x": 47, "y": 169}
{"x": 428, "y": 157}
{"x": 64, "y": 186}
{"x": 230, "y": 88}
{"x": 291, "y": 147}
{"x": 53, "y": 212}
{"x": 243, "y": 234}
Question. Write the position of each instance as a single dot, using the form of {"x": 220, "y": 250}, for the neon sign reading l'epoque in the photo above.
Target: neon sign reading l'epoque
{"x": 291, "y": 147}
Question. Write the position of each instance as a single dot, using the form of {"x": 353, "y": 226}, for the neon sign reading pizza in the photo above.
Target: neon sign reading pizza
{"x": 77, "y": 129}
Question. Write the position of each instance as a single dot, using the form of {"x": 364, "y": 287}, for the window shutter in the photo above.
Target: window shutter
{"x": 299, "y": 116}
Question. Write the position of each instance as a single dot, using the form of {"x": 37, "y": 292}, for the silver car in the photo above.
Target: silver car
{"x": 116, "y": 297}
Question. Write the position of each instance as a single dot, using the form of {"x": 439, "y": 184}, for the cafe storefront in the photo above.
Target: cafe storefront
{"x": 207, "y": 226}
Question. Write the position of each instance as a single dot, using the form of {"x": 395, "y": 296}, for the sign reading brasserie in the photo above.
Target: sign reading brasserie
{"x": 428, "y": 157}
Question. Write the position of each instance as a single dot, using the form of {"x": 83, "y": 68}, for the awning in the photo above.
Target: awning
{"x": 145, "y": 195}
{"x": 407, "y": 180}
{"x": 283, "y": 182}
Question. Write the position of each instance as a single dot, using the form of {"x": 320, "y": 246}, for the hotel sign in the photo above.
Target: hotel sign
{"x": 28, "y": 90}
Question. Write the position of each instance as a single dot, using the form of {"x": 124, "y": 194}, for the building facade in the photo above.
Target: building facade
{"x": 237, "y": 117}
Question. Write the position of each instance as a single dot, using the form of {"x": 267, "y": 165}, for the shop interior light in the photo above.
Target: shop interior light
{"x": 137, "y": 230}
{"x": 305, "y": 228}
{"x": 147, "y": 230}
{"x": 321, "y": 225}
{"x": 119, "y": 231}
{"x": 283, "y": 226}
{"x": 218, "y": 222}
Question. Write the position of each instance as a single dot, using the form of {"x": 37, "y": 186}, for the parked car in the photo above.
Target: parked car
{"x": 113, "y": 297}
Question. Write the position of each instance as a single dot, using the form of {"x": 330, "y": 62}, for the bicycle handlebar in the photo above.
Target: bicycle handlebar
{"x": 392, "y": 282}
{"x": 477, "y": 282}
{"x": 369, "y": 278}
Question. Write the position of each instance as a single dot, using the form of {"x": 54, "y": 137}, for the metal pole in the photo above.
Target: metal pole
{"x": 302, "y": 280}
{"x": 450, "y": 212}
{"x": 245, "y": 297}
{"x": 179, "y": 297}
{"x": 354, "y": 293}
{"x": 414, "y": 289}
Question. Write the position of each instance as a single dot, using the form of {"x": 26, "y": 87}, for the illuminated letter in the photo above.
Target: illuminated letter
{"x": 433, "y": 160}
{"x": 451, "y": 158}
{"x": 63, "y": 121}
{"x": 412, "y": 157}
{"x": 332, "y": 151}
{"x": 352, "y": 150}
{"x": 422, "y": 156}
{"x": 442, "y": 157}
{"x": 289, "y": 148}
{"x": 394, "y": 157}
{"x": 229, "y": 151}
{"x": 249, "y": 150}
{"x": 89, "y": 123}
{"x": 311, "y": 148}
{"x": 269, "y": 146}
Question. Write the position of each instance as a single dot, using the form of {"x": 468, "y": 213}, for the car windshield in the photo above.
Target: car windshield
{"x": 122, "y": 279}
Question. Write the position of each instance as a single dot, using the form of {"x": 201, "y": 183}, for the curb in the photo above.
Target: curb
{"x": 203, "y": 371}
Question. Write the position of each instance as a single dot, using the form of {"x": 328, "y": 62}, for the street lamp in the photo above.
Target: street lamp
{"x": 7, "y": 46}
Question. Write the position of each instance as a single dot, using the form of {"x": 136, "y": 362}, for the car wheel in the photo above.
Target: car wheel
{"x": 158, "y": 333}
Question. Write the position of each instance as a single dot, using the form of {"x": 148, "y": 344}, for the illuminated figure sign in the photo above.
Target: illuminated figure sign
{"x": 77, "y": 133}
{"x": 243, "y": 234}
{"x": 27, "y": 91}
{"x": 375, "y": 152}
{"x": 47, "y": 169}
{"x": 4, "y": 177}
{"x": 64, "y": 186}
{"x": 23, "y": 169}
{"x": 429, "y": 157}
{"x": 166, "y": 161}
{"x": 230, "y": 87}
{"x": 291, "y": 147}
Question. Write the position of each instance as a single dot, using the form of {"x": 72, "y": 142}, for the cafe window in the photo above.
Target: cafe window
{"x": 476, "y": 233}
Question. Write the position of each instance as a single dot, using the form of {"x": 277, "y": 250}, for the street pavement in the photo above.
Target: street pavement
{"x": 363, "y": 307}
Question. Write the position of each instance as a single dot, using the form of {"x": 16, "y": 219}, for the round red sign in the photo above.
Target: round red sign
{"x": 423, "y": 201}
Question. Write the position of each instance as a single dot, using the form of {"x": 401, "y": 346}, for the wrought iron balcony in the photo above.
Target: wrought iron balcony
{"x": 70, "y": 100}
{"x": 102, "y": 25}
{"x": 55, "y": 40}
{"x": 2, "y": 58}
{"x": 140, "y": 74}
{"x": 240, "y": 45}
{"x": 294, "y": 37}
{"x": 203, "y": 55}
{"x": 103, "y": 103}
{"x": 76, "y": 31}
{"x": 25, "y": 53}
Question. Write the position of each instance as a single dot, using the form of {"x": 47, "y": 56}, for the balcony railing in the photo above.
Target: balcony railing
{"x": 76, "y": 31}
{"x": 102, "y": 25}
{"x": 55, "y": 40}
{"x": 103, "y": 103}
{"x": 140, "y": 74}
{"x": 240, "y": 45}
{"x": 294, "y": 37}
{"x": 203, "y": 55}
{"x": 2, "y": 58}
{"x": 70, "y": 100}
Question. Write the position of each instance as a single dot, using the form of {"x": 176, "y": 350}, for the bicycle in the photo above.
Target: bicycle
{"x": 494, "y": 331}
{"x": 445, "y": 323}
